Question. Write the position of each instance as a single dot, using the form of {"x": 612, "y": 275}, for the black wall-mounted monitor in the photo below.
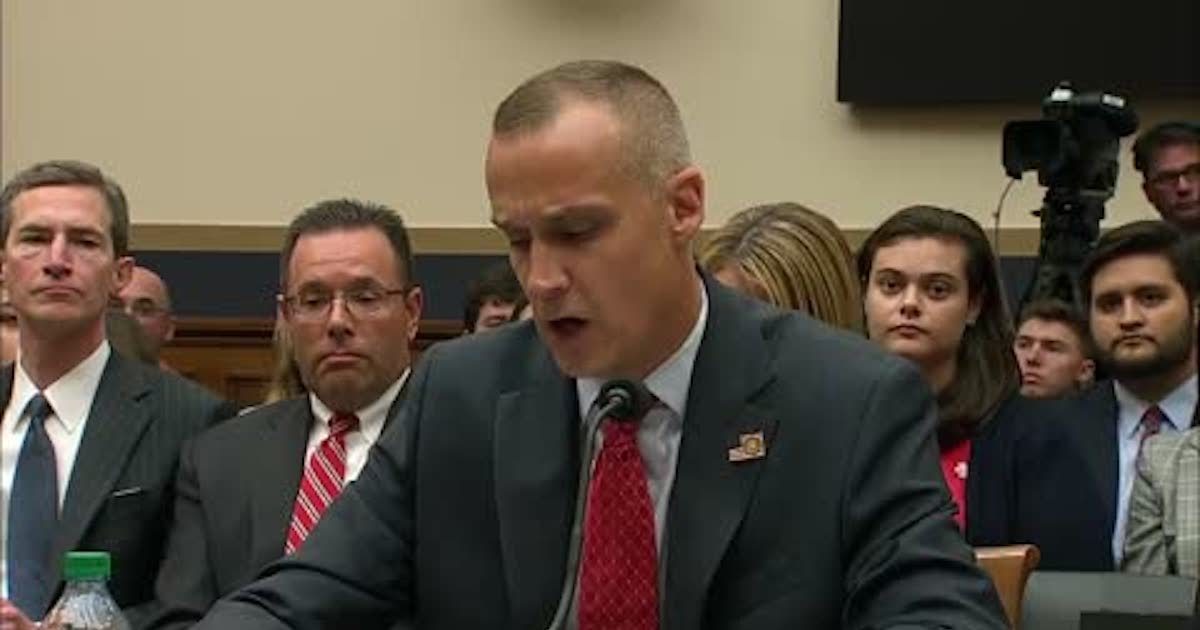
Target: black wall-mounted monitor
{"x": 961, "y": 51}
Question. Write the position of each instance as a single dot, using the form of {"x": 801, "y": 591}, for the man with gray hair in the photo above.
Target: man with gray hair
{"x": 89, "y": 440}
{"x": 745, "y": 484}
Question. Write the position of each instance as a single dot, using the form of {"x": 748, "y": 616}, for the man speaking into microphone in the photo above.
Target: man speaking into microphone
{"x": 779, "y": 475}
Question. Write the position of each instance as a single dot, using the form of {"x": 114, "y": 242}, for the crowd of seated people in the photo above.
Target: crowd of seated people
{"x": 1072, "y": 427}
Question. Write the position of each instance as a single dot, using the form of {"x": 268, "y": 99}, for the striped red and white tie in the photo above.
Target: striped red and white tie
{"x": 323, "y": 479}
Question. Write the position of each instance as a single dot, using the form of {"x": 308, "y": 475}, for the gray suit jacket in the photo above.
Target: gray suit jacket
{"x": 235, "y": 493}
{"x": 462, "y": 516}
{"x": 1163, "y": 535}
{"x": 120, "y": 493}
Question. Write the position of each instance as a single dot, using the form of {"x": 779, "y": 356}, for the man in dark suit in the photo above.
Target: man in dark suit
{"x": 785, "y": 475}
{"x": 1070, "y": 466}
{"x": 90, "y": 439}
{"x": 1141, "y": 289}
{"x": 351, "y": 310}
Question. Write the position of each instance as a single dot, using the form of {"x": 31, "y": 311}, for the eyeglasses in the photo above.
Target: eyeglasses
{"x": 1167, "y": 179}
{"x": 365, "y": 302}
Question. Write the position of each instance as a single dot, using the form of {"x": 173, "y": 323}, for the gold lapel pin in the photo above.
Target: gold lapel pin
{"x": 750, "y": 446}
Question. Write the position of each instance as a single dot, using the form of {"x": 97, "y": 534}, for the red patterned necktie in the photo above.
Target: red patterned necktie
{"x": 619, "y": 577}
{"x": 322, "y": 482}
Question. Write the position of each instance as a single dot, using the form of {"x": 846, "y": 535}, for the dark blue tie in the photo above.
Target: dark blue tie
{"x": 33, "y": 516}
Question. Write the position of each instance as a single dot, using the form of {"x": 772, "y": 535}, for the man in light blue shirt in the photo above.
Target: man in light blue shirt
{"x": 1141, "y": 297}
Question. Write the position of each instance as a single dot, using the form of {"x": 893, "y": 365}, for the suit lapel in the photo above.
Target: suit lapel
{"x": 535, "y": 463}
{"x": 115, "y": 425}
{"x": 278, "y": 469}
{"x": 711, "y": 493}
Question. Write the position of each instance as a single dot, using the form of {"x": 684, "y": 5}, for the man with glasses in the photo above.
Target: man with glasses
{"x": 1168, "y": 157}
{"x": 251, "y": 490}
{"x": 147, "y": 300}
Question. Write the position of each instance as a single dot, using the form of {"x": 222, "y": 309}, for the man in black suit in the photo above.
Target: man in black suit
{"x": 90, "y": 439}
{"x": 351, "y": 310}
{"x": 1069, "y": 464}
{"x": 785, "y": 475}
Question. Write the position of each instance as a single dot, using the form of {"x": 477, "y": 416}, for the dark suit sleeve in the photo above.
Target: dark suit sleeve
{"x": 186, "y": 587}
{"x": 224, "y": 411}
{"x": 355, "y": 569}
{"x": 907, "y": 565}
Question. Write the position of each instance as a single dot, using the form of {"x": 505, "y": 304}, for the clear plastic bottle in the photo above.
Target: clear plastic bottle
{"x": 85, "y": 603}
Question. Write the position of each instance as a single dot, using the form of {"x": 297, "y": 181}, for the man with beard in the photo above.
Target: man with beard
{"x": 1063, "y": 477}
{"x": 1141, "y": 297}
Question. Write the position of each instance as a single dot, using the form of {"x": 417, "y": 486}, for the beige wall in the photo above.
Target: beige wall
{"x": 236, "y": 112}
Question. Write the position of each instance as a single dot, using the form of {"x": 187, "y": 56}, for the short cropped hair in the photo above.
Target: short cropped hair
{"x": 348, "y": 214}
{"x": 654, "y": 145}
{"x": 1159, "y": 136}
{"x": 70, "y": 173}
{"x": 1137, "y": 238}
{"x": 1055, "y": 310}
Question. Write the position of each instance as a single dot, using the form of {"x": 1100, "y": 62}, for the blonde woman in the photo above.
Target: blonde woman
{"x": 790, "y": 256}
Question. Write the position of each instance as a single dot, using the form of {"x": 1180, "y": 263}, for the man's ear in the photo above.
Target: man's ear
{"x": 122, "y": 273}
{"x": 685, "y": 199}
{"x": 414, "y": 302}
{"x": 1087, "y": 373}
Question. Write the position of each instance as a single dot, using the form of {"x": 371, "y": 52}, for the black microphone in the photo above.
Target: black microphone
{"x": 623, "y": 401}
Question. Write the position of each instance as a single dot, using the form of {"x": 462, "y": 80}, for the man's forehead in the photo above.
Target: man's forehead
{"x": 526, "y": 214}
{"x": 1175, "y": 154}
{"x": 358, "y": 252}
{"x": 43, "y": 209}
{"x": 145, "y": 282}
{"x": 1048, "y": 329}
{"x": 1135, "y": 271}
{"x": 58, "y": 199}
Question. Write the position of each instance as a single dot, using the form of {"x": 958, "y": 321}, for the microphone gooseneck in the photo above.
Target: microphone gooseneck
{"x": 621, "y": 400}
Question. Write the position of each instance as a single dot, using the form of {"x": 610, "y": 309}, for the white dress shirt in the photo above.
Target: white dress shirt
{"x": 359, "y": 442}
{"x": 70, "y": 399}
{"x": 1178, "y": 407}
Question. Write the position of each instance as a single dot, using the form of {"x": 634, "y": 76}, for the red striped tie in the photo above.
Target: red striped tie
{"x": 322, "y": 482}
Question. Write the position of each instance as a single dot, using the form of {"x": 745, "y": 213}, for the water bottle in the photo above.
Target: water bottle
{"x": 85, "y": 603}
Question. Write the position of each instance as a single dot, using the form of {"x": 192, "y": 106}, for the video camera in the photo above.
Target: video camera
{"x": 1074, "y": 149}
